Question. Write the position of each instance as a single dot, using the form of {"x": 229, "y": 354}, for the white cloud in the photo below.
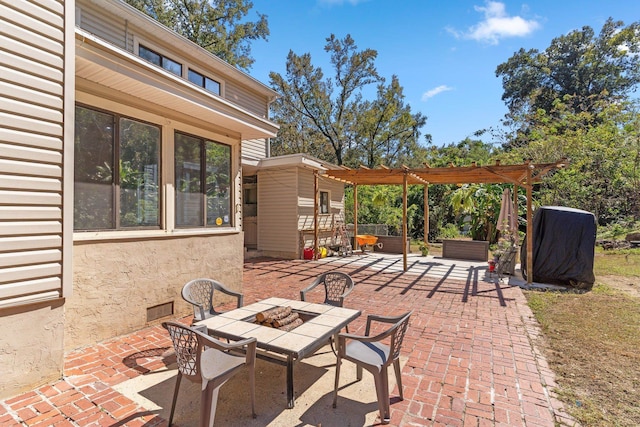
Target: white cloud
{"x": 436, "y": 90}
{"x": 497, "y": 24}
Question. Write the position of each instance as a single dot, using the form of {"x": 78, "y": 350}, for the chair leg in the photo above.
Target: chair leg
{"x": 335, "y": 387}
{"x": 396, "y": 368}
{"x": 378, "y": 379}
{"x": 208, "y": 404}
{"x": 386, "y": 417}
{"x": 175, "y": 397}
{"x": 252, "y": 384}
{"x": 359, "y": 373}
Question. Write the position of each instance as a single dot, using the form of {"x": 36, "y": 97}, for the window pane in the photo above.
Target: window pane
{"x": 196, "y": 78}
{"x": 212, "y": 85}
{"x": 93, "y": 169}
{"x": 324, "y": 202}
{"x": 171, "y": 65}
{"x": 139, "y": 178}
{"x": 189, "y": 200}
{"x": 218, "y": 157}
{"x": 150, "y": 55}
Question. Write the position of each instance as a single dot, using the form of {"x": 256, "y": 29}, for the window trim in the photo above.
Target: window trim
{"x": 320, "y": 205}
{"x": 162, "y": 57}
{"x": 233, "y": 222}
{"x": 169, "y": 124}
{"x": 116, "y": 202}
{"x": 204, "y": 77}
{"x": 186, "y": 65}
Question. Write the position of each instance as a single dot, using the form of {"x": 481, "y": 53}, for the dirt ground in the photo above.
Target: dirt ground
{"x": 630, "y": 285}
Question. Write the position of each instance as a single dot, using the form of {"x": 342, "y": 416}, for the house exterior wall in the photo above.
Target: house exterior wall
{"x": 118, "y": 275}
{"x": 36, "y": 94}
{"x": 278, "y": 212}
{"x": 116, "y": 282}
{"x": 124, "y": 34}
{"x": 254, "y": 149}
{"x": 306, "y": 198}
{"x": 43, "y": 56}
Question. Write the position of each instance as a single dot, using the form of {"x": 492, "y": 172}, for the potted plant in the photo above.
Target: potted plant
{"x": 424, "y": 248}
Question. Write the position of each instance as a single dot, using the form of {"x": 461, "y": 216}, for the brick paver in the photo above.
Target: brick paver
{"x": 471, "y": 358}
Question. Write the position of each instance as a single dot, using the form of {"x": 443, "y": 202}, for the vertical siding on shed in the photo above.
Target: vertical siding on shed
{"x": 32, "y": 108}
{"x": 277, "y": 211}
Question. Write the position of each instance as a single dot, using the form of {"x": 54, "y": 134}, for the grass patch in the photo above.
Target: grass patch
{"x": 623, "y": 262}
{"x": 592, "y": 343}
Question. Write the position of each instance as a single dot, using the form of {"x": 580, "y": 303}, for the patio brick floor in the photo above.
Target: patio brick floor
{"x": 471, "y": 358}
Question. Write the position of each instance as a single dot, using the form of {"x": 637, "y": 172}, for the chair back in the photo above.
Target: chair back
{"x": 397, "y": 336}
{"x": 185, "y": 344}
{"x": 336, "y": 285}
{"x": 201, "y": 292}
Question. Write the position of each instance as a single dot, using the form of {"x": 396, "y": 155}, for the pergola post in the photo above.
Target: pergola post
{"x": 355, "y": 216}
{"x": 316, "y": 203}
{"x": 426, "y": 214}
{"x": 529, "y": 228}
{"x": 404, "y": 221}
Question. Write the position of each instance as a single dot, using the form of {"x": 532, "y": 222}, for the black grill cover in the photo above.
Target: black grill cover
{"x": 564, "y": 241}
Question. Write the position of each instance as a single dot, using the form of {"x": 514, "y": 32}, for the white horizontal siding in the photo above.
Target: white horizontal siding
{"x": 254, "y": 149}
{"x": 105, "y": 26}
{"x": 30, "y": 257}
{"x": 31, "y": 66}
{"x": 23, "y": 243}
{"x": 17, "y": 213}
{"x": 250, "y": 101}
{"x": 17, "y": 47}
{"x": 32, "y": 34}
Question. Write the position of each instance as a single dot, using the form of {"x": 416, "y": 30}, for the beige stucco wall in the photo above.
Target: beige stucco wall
{"x": 115, "y": 282}
{"x": 31, "y": 352}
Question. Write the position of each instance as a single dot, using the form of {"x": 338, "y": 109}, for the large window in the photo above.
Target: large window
{"x": 160, "y": 60}
{"x": 203, "y": 178}
{"x": 116, "y": 172}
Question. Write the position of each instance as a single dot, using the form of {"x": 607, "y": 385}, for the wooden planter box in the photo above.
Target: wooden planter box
{"x": 472, "y": 250}
{"x": 391, "y": 244}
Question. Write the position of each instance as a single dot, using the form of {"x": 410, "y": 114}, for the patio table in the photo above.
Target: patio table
{"x": 321, "y": 322}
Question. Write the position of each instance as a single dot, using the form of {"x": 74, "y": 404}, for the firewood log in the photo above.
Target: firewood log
{"x": 291, "y": 325}
{"x": 290, "y": 318}
{"x": 272, "y": 313}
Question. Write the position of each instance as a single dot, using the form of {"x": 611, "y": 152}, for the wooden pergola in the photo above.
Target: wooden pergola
{"x": 521, "y": 175}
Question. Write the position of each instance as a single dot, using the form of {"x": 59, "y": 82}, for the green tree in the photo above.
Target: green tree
{"x": 386, "y": 132}
{"x": 580, "y": 68}
{"x": 328, "y": 117}
{"x": 218, "y": 26}
{"x": 481, "y": 204}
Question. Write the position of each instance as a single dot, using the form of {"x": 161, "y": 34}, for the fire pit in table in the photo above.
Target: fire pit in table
{"x": 283, "y": 318}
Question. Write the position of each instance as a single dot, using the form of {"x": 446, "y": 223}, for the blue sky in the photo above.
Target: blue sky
{"x": 444, "y": 52}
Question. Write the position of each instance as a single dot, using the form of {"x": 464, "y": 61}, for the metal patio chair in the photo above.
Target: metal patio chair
{"x": 204, "y": 359}
{"x": 199, "y": 293}
{"x": 370, "y": 353}
{"x": 337, "y": 286}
